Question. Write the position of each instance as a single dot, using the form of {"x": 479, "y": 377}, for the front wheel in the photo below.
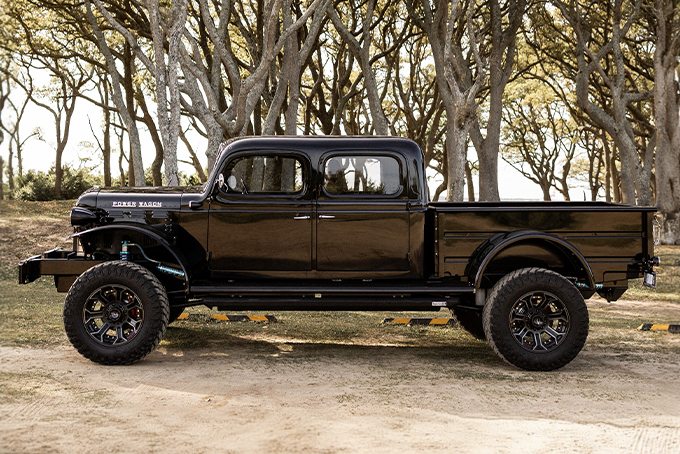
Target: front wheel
{"x": 536, "y": 319}
{"x": 116, "y": 313}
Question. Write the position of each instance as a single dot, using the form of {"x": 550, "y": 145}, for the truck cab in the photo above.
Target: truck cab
{"x": 314, "y": 209}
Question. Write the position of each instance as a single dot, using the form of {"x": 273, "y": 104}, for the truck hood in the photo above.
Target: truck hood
{"x": 132, "y": 203}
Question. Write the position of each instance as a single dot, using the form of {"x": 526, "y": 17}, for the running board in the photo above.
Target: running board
{"x": 354, "y": 303}
{"x": 328, "y": 297}
{"x": 323, "y": 291}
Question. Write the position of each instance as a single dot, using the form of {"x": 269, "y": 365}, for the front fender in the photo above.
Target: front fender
{"x": 188, "y": 256}
{"x": 491, "y": 248}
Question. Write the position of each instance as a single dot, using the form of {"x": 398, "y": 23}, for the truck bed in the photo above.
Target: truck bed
{"x": 614, "y": 239}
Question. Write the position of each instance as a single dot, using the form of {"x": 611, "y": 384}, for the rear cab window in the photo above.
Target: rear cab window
{"x": 362, "y": 175}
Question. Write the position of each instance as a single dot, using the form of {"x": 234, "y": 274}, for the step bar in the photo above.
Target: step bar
{"x": 327, "y": 290}
{"x": 328, "y": 298}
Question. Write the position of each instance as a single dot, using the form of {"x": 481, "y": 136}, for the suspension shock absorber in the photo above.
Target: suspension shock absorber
{"x": 125, "y": 257}
{"x": 124, "y": 253}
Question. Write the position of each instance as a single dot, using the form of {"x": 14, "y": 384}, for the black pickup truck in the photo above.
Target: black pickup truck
{"x": 339, "y": 223}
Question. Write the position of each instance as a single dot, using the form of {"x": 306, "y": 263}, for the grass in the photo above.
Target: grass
{"x": 615, "y": 330}
{"x": 29, "y": 228}
{"x": 30, "y": 315}
{"x": 57, "y": 209}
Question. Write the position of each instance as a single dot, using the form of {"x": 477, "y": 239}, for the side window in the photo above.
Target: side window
{"x": 263, "y": 174}
{"x": 374, "y": 175}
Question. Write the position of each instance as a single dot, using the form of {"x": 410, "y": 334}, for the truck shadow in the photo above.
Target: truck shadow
{"x": 182, "y": 342}
{"x": 299, "y": 366}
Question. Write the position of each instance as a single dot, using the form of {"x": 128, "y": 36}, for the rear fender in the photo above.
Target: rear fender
{"x": 556, "y": 247}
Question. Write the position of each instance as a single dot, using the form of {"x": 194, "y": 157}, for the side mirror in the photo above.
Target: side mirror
{"x": 231, "y": 182}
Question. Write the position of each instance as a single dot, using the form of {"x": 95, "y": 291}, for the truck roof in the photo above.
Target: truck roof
{"x": 313, "y": 145}
{"x": 317, "y": 146}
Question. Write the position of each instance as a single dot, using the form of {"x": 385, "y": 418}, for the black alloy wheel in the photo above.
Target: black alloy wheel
{"x": 539, "y": 321}
{"x": 113, "y": 314}
{"x": 536, "y": 319}
{"x": 116, "y": 313}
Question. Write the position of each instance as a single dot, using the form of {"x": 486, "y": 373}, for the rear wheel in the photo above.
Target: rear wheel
{"x": 116, "y": 313}
{"x": 536, "y": 319}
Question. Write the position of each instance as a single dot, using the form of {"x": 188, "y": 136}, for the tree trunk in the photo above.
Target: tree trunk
{"x": 564, "y": 186}
{"x": 204, "y": 83}
{"x": 136, "y": 167}
{"x": 627, "y": 178}
{"x": 107, "y": 143}
{"x": 20, "y": 164}
{"x": 2, "y": 183}
{"x": 293, "y": 77}
{"x": 121, "y": 156}
{"x": 458, "y": 93}
{"x": 470, "y": 182}
{"x": 667, "y": 118}
{"x": 63, "y": 135}
{"x": 167, "y": 80}
{"x": 635, "y": 174}
{"x": 456, "y": 148}
{"x": 10, "y": 173}
{"x": 545, "y": 187}
{"x": 607, "y": 168}
{"x": 287, "y": 72}
{"x": 490, "y": 147}
{"x": 215, "y": 138}
{"x": 500, "y": 64}
{"x": 157, "y": 163}
{"x": 616, "y": 177}
{"x": 58, "y": 172}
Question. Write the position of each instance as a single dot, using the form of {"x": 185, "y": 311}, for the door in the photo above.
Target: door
{"x": 261, "y": 218}
{"x": 362, "y": 214}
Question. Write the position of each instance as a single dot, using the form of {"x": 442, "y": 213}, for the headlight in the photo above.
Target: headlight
{"x": 82, "y": 216}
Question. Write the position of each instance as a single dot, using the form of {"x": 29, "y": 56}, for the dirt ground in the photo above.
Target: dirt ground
{"x": 274, "y": 396}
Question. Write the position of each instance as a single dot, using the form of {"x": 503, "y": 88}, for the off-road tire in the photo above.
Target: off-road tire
{"x": 509, "y": 295}
{"x": 470, "y": 319}
{"x": 151, "y": 302}
{"x": 175, "y": 312}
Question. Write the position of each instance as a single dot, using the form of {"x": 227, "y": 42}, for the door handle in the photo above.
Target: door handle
{"x": 325, "y": 216}
{"x": 301, "y": 218}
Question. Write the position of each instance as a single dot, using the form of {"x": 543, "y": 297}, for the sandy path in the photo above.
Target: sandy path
{"x": 271, "y": 397}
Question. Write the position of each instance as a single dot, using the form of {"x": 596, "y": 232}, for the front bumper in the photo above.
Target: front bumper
{"x": 63, "y": 264}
